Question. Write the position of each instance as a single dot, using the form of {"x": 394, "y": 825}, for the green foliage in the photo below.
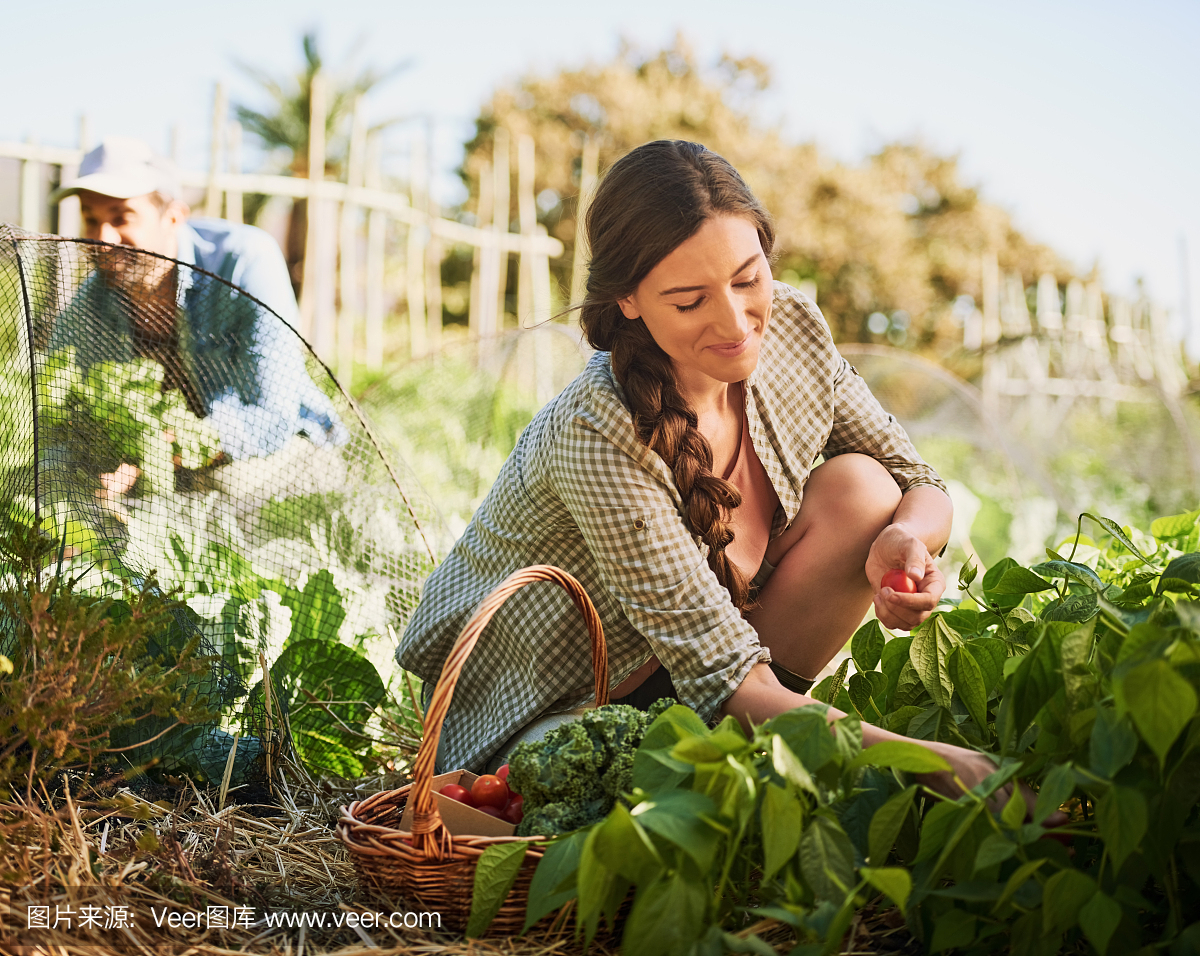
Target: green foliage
{"x": 77, "y": 670}
{"x": 1080, "y": 674}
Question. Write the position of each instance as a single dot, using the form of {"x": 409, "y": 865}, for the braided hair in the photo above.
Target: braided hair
{"x": 648, "y": 203}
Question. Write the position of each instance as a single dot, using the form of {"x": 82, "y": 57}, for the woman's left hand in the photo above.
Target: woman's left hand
{"x": 898, "y": 548}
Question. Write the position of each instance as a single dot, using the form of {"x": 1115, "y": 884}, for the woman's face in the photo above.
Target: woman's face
{"x": 707, "y": 304}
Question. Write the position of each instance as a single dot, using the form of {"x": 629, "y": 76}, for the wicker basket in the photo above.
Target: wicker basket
{"x": 428, "y": 867}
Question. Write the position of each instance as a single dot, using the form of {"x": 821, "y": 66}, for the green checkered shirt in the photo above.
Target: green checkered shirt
{"x": 580, "y": 491}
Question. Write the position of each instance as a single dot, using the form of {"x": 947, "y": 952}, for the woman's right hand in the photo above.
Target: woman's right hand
{"x": 973, "y": 768}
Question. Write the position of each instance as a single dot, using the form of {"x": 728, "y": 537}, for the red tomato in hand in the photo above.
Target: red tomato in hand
{"x": 491, "y": 812}
{"x": 490, "y": 791}
{"x": 514, "y": 813}
{"x": 898, "y": 581}
{"x": 502, "y": 773}
{"x": 455, "y": 792}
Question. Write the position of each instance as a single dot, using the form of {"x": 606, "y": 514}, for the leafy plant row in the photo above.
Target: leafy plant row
{"x": 1079, "y": 674}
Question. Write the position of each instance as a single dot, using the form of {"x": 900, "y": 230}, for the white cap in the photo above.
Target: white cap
{"x": 122, "y": 168}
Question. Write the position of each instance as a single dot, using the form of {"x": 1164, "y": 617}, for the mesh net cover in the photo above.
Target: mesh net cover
{"x": 157, "y": 420}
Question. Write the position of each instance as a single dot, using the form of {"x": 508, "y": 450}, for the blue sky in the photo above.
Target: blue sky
{"x": 1083, "y": 119}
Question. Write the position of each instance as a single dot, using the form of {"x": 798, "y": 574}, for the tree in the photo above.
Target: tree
{"x": 284, "y": 127}
{"x": 898, "y": 231}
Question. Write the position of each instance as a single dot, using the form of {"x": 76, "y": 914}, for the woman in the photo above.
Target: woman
{"x": 674, "y": 478}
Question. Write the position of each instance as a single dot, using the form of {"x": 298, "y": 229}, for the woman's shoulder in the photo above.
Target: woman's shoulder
{"x": 798, "y": 337}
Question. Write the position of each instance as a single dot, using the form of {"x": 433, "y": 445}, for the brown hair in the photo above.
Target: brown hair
{"x": 650, "y": 201}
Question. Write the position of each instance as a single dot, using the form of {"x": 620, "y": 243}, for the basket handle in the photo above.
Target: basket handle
{"x": 426, "y": 819}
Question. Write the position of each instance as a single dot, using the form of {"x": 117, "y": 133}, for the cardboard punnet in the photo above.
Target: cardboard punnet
{"x": 460, "y": 819}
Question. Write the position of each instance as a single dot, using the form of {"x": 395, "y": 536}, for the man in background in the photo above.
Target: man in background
{"x": 234, "y": 362}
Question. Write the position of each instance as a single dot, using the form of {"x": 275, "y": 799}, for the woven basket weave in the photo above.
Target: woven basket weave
{"x": 428, "y": 867}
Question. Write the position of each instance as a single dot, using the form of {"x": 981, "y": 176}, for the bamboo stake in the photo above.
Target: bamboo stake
{"x": 375, "y": 251}
{"x": 418, "y": 237}
{"x": 588, "y": 170}
{"x": 348, "y": 248}
{"x": 212, "y": 197}
{"x": 316, "y": 173}
{"x": 234, "y": 206}
{"x": 31, "y": 181}
{"x": 527, "y": 216}
{"x": 500, "y": 171}
{"x": 70, "y": 219}
{"x": 485, "y": 265}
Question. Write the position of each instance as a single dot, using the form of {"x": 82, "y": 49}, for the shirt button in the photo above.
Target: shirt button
{"x": 639, "y": 524}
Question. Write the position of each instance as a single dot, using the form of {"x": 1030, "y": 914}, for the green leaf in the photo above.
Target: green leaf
{"x": 495, "y": 874}
{"x": 868, "y": 692}
{"x": 1035, "y": 680}
{"x": 1076, "y": 652}
{"x": 827, "y": 859}
{"x": 1174, "y": 526}
{"x": 806, "y": 732}
{"x": 954, "y": 929}
{"x": 328, "y": 727}
{"x": 1063, "y": 897}
{"x": 886, "y": 824}
{"x": 932, "y": 643}
{"x": 1117, "y": 532}
{"x": 790, "y": 768}
{"x": 909, "y": 689}
{"x": 990, "y": 654}
{"x": 1057, "y": 787}
{"x": 601, "y": 890}
{"x": 893, "y": 881}
{"x": 782, "y": 820}
{"x": 891, "y": 663}
{"x": 902, "y": 755}
{"x": 1013, "y": 814}
{"x": 1160, "y": 702}
{"x": 897, "y": 721}
{"x": 653, "y": 767}
{"x": 1184, "y": 568}
{"x": 967, "y": 575}
{"x": 969, "y": 683}
{"x": 1071, "y": 572}
{"x": 1099, "y": 918}
{"x": 678, "y": 816}
{"x": 936, "y": 828}
{"x": 1113, "y": 742}
{"x": 1020, "y": 580}
{"x": 553, "y": 884}
{"x": 995, "y": 848}
{"x": 317, "y": 610}
{"x": 866, "y": 646}
{"x": 1122, "y": 817}
{"x": 1018, "y": 879}
{"x": 667, "y": 917}
{"x": 624, "y": 848}
{"x": 992, "y": 577}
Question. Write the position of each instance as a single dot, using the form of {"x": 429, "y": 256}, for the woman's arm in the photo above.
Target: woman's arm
{"x": 760, "y": 697}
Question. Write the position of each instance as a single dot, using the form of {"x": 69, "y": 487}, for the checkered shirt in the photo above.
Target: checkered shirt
{"x": 580, "y": 491}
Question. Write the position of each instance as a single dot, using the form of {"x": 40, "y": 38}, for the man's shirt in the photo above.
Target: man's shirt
{"x": 235, "y": 361}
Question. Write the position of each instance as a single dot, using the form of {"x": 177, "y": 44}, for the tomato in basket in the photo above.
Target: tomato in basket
{"x": 455, "y": 792}
{"x": 514, "y": 813}
{"x": 489, "y": 791}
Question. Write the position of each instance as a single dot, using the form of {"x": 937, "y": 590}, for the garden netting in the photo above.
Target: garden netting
{"x": 156, "y": 421}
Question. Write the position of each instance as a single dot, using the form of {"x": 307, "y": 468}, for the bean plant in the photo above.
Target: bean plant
{"x": 1079, "y": 675}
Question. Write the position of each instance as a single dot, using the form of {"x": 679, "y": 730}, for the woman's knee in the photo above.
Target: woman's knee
{"x": 855, "y": 488}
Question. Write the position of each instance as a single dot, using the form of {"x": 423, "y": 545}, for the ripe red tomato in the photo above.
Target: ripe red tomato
{"x": 514, "y": 813}
{"x": 491, "y": 812}
{"x": 455, "y": 792}
{"x": 898, "y": 581}
{"x": 502, "y": 773}
{"x": 490, "y": 791}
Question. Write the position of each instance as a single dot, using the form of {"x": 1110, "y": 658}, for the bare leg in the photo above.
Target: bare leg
{"x": 819, "y": 592}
